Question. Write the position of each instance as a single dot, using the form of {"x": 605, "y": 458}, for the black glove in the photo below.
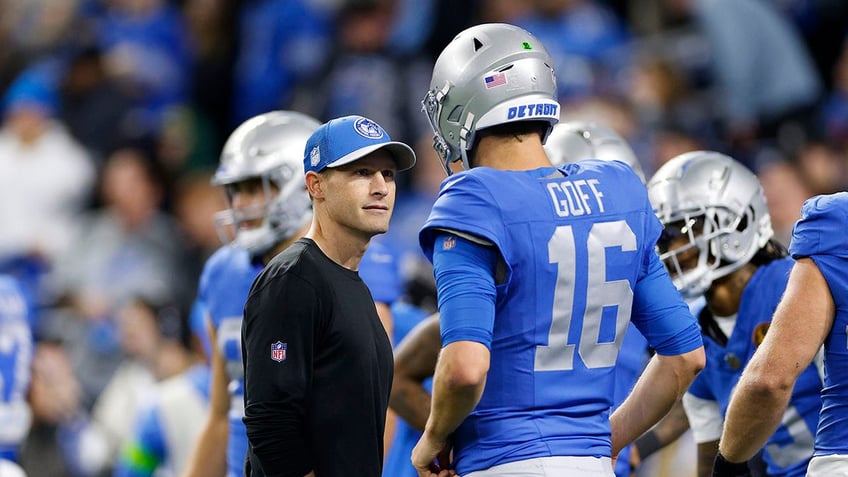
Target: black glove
{"x": 723, "y": 468}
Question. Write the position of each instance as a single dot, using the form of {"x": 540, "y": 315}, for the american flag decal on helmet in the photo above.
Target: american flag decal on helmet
{"x": 278, "y": 351}
{"x": 496, "y": 79}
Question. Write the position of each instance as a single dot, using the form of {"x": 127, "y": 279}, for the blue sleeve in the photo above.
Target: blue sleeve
{"x": 821, "y": 230}
{"x": 464, "y": 205}
{"x": 197, "y": 322}
{"x": 465, "y": 283}
{"x": 662, "y": 316}
{"x": 379, "y": 270}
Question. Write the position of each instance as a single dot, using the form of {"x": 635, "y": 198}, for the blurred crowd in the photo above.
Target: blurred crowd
{"x": 114, "y": 113}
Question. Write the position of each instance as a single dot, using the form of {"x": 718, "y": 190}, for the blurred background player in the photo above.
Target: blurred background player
{"x": 574, "y": 141}
{"x": 166, "y": 423}
{"x": 261, "y": 172}
{"x": 718, "y": 242}
{"x": 16, "y": 360}
{"x": 411, "y": 389}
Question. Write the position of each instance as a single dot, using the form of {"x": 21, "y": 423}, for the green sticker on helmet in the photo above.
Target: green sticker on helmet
{"x": 527, "y": 46}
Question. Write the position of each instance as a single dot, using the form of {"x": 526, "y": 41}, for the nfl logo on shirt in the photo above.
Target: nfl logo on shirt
{"x": 278, "y": 351}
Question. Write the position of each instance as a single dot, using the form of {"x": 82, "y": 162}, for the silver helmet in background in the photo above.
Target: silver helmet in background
{"x": 269, "y": 148}
{"x": 574, "y": 141}
{"x": 714, "y": 214}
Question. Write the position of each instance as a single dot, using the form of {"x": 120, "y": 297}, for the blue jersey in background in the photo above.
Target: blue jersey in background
{"x": 16, "y": 349}
{"x": 397, "y": 462}
{"x": 224, "y": 285}
{"x": 789, "y": 450}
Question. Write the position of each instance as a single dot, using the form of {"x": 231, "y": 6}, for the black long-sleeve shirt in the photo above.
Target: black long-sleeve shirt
{"x": 318, "y": 369}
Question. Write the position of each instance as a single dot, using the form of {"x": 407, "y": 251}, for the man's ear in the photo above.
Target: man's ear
{"x": 315, "y": 185}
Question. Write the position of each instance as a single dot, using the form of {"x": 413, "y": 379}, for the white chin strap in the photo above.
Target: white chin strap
{"x": 464, "y": 132}
{"x": 256, "y": 241}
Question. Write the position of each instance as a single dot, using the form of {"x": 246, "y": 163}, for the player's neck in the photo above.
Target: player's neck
{"x": 725, "y": 294}
{"x": 514, "y": 153}
{"x": 339, "y": 243}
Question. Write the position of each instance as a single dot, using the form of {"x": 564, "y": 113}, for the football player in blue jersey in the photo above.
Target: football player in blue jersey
{"x": 415, "y": 356}
{"x": 718, "y": 242}
{"x": 261, "y": 172}
{"x": 813, "y": 312}
{"x": 539, "y": 270}
{"x": 16, "y": 353}
{"x": 411, "y": 389}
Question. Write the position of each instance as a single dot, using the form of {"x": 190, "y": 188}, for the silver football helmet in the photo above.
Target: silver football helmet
{"x": 574, "y": 141}
{"x": 714, "y": 215}
{"x": 268, "y": 147}
{"x": 489, "y": 74}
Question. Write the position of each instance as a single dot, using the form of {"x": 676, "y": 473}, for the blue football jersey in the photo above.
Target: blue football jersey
{"x": 380, "y": 272}
{"x": 224, "y": 285}
{"x": 16, "y": 348}
{"x": 578, "y": 249}
{"x": 820, "y": 234}
{"x": 632, "y": 359}
{"x": 398, "y": 463}
{"x": 789, "y": 449}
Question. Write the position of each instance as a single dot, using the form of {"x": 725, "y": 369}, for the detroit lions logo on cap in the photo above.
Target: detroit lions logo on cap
{"x": 315, "y": 156}
{"x": 368, "y": 128}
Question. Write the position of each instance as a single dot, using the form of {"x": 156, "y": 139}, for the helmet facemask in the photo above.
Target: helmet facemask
{"x": 701, "y": 245}
{"x": 684, "y": 248}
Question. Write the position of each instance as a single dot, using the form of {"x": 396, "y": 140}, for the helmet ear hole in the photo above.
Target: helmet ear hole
{"x": 743, "y": 223}
{"x": 455, "y": 114}
{"x": 477, "y": 44}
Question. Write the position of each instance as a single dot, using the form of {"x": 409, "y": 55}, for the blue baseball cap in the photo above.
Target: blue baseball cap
{"x": 32, "y": 89}
{"x": 343, "y": 140}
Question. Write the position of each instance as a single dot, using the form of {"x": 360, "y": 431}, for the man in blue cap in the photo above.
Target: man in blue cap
{"x": 318, "y": 363}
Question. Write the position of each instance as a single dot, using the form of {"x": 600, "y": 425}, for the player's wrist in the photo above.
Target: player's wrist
{"x": 647, "y": 444}
{"x": 724, "y": 468}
